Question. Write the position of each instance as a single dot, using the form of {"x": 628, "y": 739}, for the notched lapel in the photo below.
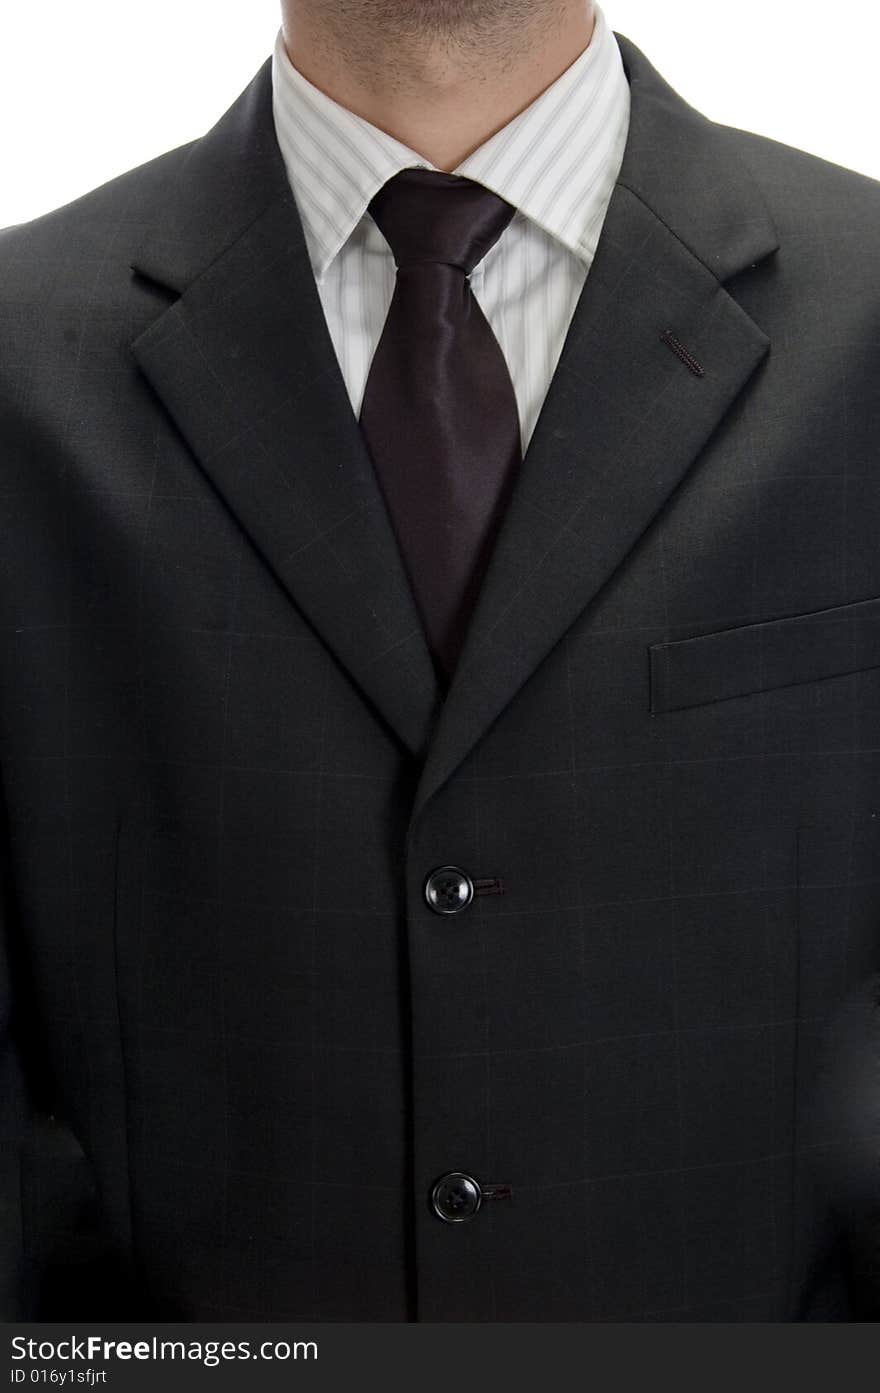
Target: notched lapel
{"x": 625, "y": 418}
{"x": 244, "y": 364}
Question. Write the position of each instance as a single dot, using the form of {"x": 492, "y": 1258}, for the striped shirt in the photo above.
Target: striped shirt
{"x": 557, "y": 162}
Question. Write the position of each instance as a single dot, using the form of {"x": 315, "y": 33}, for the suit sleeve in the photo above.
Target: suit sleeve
{"x": 13, "y": 1111}
{"x": 58, "y": 1261}
{"x": 852, "y": 1100}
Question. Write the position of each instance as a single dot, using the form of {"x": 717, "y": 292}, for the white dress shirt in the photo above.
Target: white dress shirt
{"x": 556, "y": 162}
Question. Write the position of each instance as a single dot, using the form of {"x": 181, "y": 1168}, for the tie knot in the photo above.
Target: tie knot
{"x": 427, "y": 215}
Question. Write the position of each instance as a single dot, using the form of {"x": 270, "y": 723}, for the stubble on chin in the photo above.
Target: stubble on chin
{"x": 454, "y": 21}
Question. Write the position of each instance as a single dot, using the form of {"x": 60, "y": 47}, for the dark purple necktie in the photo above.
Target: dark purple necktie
{"x": 439, "y": 414}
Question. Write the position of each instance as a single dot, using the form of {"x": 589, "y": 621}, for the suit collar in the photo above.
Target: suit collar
{"x": 680, "y": 164}
{"x": 684, "y": 168}
{"x": 221, "y": 185}
{"x": 244, "y": 365}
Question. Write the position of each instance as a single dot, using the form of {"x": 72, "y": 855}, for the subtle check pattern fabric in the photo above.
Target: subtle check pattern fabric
{"x": 439, "y": 412}
{"x": 556, "y": 162}
{"x": 251, "y": 1046}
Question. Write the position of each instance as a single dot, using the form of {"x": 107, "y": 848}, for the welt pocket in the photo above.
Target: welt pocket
{"x": 758, "y": 657}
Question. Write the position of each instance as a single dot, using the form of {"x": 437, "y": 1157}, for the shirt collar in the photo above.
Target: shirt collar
{"x": 556, "y": 162}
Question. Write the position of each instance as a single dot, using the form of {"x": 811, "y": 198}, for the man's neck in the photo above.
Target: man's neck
{"x": 442, "y": 76}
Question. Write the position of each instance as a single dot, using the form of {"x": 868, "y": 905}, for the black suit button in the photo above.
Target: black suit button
{"x": 448, "y": 890}
{"x": 456, "y": 1197}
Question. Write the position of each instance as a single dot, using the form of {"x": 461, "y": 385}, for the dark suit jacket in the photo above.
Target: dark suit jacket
{"x": 242, "y": 1045}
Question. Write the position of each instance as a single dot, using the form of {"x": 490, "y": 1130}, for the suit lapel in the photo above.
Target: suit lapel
{"x": 624, "y": 418}
{"x": 243, "y": 362}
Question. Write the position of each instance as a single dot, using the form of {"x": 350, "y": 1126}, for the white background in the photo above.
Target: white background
{"x": 89, "y": 88}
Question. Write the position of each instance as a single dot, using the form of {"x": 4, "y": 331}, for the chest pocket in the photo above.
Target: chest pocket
{"x": 758, "y": 657}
